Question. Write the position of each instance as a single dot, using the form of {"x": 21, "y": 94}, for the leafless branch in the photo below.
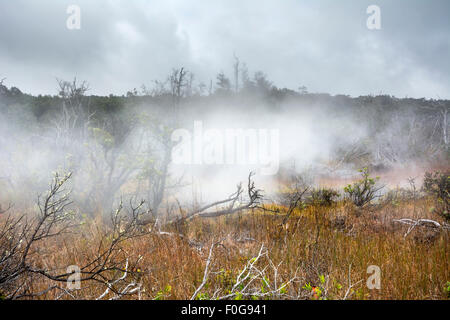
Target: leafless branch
{"x": 18, "y": 237}
{"x": 233, "y": 203}
{"x": 351, "y": 285}
{"x": 207, "y": 267}
{"x": 421, "y": 222}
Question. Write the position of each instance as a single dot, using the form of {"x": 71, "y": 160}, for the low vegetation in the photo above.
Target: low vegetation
{"x": 321, "y": 250}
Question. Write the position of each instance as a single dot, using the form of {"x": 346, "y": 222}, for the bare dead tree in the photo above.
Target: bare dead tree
{"x": 155, "y": 173}
{"x": 438, "y": 112}
{"x": 178, "y": 83}
{"x": 230, "y": 205}
{"x": 158, "y": 177}
{"x": 21, "y": 236}
{"x": 236, "y": 73}
{"x": 109, "y": 165}
{"x": 233, "y": 204}
{"x": 75, "y": 117}
{"x": 189, "y": 84}
{"x": 352, "y": 152}
{"x": 443, "y": 110}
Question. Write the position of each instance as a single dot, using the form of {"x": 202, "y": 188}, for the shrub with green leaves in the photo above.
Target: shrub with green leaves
{"x": 437, "y": 184}
{"x": 323, "y": 196}
{"x": 363, "y": 191}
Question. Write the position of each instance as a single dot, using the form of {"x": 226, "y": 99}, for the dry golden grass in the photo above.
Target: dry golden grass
{"x": 317, "y": 242}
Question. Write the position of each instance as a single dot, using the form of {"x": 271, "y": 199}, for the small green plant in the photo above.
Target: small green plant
{"x": 316, "y": 291}
{"x": 284, "y": 288}
{"x": 337, "y": 285}
{"x": 202, "y": 296}
{"x": 447, "y": 289}
{"x": 239, "y": 296}
{"x": 225, "y": 278}
{"x": 307, "y": 286}
{"x": 264, "y": 284}
{"x": 322, "y": 279}
{"x": 164, "y": 293}
{"x": 363, "y": 191}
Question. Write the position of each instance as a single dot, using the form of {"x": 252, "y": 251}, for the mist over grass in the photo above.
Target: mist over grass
{"x": 117, "y": 140}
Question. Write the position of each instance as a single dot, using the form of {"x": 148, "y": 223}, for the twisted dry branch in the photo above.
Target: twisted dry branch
{"x": 421, "y": 222}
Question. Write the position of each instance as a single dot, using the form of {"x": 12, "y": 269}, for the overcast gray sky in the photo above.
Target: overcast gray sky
{"x": 322, "y": 44}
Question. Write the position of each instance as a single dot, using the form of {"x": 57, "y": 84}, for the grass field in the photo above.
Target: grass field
{"x": 322, "y": 252}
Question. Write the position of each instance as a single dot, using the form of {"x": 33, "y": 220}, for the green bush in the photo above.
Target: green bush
{"x": 363, "y": 191}
{"x": 437, "y": 184}
{"x": 323, "y": 196}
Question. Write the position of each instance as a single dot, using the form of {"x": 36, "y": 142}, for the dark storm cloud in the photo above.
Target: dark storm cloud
{"x": 324, "y": 45}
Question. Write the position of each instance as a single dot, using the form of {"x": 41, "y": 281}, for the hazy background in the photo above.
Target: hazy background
{"x": 114, "y": 144}
{"x": 324, "y": 45}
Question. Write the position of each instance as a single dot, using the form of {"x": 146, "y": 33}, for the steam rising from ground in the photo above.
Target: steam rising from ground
{"x": 324, "y": 143}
